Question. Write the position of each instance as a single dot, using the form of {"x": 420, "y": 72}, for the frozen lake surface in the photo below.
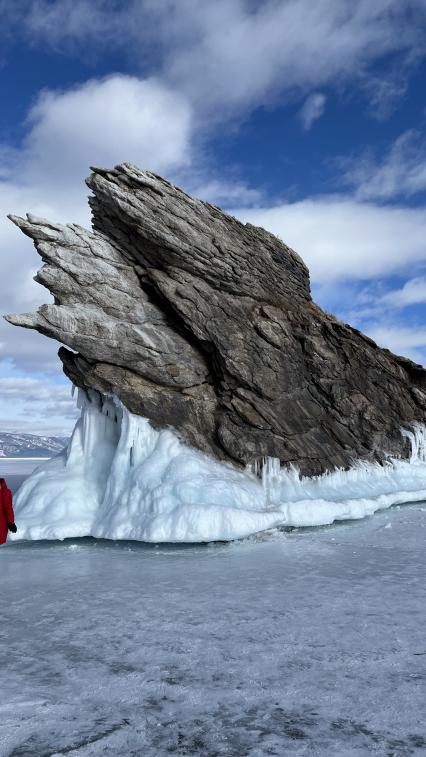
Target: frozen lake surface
{"x": 310, "y": 642}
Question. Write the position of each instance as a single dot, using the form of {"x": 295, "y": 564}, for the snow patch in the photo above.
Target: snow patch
{"x": 121, "y": 479}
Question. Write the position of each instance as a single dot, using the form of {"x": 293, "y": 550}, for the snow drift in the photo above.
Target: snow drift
{"x": 121, "y": 479}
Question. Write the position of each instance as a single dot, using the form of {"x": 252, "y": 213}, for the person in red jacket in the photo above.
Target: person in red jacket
{"x": 7, "y": 517}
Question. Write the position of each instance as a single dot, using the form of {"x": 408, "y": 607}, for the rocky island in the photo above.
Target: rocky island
{"x": 206, "y": 325}
{"x": 217, "y": 399}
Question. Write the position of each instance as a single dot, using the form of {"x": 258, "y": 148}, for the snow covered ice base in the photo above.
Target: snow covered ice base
{"x": 121, "y": 479}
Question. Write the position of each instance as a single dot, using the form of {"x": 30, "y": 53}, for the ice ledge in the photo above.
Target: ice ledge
{"x": 121, "y": 479}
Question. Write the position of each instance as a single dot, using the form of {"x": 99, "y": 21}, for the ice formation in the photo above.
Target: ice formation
{"x": 121, "y": 479}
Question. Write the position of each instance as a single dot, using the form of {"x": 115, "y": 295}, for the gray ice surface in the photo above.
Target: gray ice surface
{"x": 306, "y": 643}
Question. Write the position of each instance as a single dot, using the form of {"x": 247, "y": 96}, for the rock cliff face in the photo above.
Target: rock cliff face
{"x": 201, "y": 323}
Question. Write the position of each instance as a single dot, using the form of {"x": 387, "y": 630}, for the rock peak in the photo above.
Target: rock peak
{"x": 205, "y": 324}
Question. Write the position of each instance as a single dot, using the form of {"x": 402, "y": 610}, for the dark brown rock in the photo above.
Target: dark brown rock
{"x": 207, "y": 325}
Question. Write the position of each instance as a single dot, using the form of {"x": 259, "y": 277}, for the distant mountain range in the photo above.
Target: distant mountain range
{"x": 30, "y": 445}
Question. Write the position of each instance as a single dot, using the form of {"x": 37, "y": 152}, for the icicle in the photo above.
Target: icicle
{"x": 81, "y": 399}
{"x": 268, "y": 469}
{"x": 417, "y": 439}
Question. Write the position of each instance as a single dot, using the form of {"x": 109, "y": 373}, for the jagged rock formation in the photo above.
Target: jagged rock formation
{"x": 201, "y": 323}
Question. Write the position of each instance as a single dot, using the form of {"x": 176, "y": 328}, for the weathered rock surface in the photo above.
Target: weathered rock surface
{"x": 207, "y": 325}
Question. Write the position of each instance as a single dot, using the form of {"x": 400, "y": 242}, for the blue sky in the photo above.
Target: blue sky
{"x": 306, "y": 118}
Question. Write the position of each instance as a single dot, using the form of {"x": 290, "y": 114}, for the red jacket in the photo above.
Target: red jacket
{"x": 6, "y": 510}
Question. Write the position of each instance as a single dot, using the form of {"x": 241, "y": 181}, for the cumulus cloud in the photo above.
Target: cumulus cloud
{"x": 312, "y": 109}
{"x": 343, "y": 239}
{"x": 103, "y": 122}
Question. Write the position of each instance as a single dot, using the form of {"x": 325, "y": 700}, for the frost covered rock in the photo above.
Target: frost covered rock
{"x": 205, "y": 325}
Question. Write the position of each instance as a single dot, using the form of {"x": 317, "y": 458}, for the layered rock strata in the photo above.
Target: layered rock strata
{"x": 206, "y": 325}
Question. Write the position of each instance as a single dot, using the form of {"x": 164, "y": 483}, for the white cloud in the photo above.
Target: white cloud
{"x": 271, "y": 48}
{"x": 384, "y": 92}
{"x": 312, "y": 109}
{"x": 233, "y": 54}
{"x": 74, "y": 19}
{"x": 19, "y": 293}
{"x": 371, "y": 304}
{"x": 412, "y": 293}
{"x": 342, "y": 239}
{"x": 402, "y": 171}
{"x": 402, "y": 340}
{"x": 224, "y": 193}
{"x": 36, "y": 405}
{"x": 33, "y": 390}
{"x": 103, "y": 122}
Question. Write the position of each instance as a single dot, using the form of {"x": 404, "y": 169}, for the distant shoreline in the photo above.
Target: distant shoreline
{"x": 7, "y": 459}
